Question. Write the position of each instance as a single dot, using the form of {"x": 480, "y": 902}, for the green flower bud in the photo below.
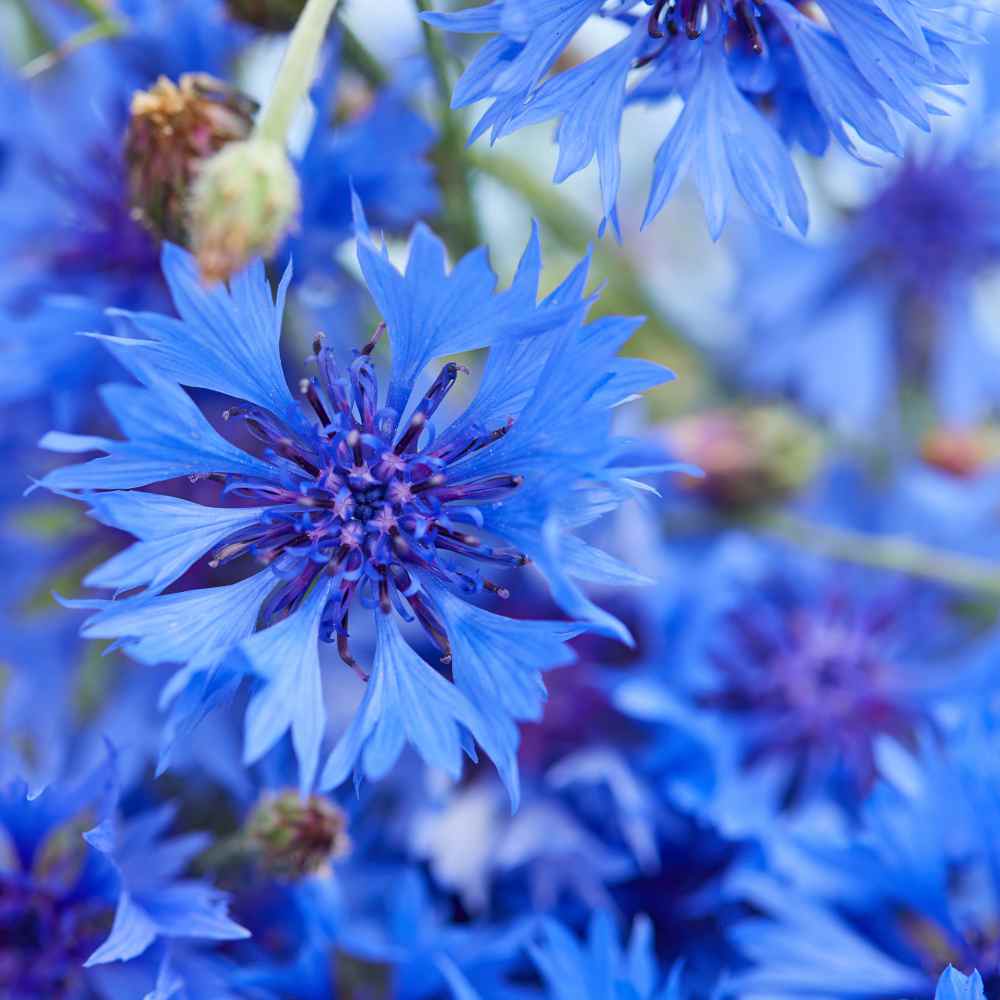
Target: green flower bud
{"x": 245, "y": 200}
{"x": 751, "y": 456}
{"x": 174, "y": 128}
{"x": 295, "y": 837}
{"x": 271, "y": 15}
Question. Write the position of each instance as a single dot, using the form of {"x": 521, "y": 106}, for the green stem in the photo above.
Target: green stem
{"x": 358, "y": 56}
{"x": 460, "y": 222}
{"x": 99, "y": 31}
{"x": 626, "y": 292}
{"x": 298, "y": 69}
{"x": 887, "y": 552}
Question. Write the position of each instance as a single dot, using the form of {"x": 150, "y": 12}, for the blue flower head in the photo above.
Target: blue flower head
{"x": 883, "y": 912}
{"x": 69, "y": 905}
{"x": 889, "y": 301}
{"x": 792, "y": 671}
{"x": 756, "y": 78}
{"x": 360, "y": 501}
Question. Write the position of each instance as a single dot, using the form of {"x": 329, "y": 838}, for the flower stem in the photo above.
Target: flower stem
{"x": 298, "y": 69}
{"x": 97, "y": 32}
{"x": 460, "y": 220}
{"x": 887, "y": 552}
{"x": 106, "y": 24}
{"x": 360, "y": 58}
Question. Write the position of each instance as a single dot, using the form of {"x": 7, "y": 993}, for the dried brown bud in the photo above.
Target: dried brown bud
{"x": 174, "y": 129}
{"x": 296, "y": 837}
{"x": 271, "y": 15}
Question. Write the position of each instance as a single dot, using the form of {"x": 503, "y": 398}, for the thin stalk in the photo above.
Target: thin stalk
{"x": 105, "y": 25}
{"x": 460, "y": 221}
{"x": 297, "y": 72}
{"x": 360, "y": 58}
{"x": 887, "y": 552}
{"x": 85, "y": 36}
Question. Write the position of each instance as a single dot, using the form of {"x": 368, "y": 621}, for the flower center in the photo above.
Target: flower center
{"x": 367, "y": 503}
{"x": 816, "y": 682}
{"x": 941, "y": 224}
{"x": 45, "y": 938}
{"x": 670, "y": 18}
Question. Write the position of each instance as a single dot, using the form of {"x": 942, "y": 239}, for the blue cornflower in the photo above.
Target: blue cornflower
{"x": 882, "y": 913}
{"x": 69, "y": 906}
{"x": 357, "y": 500}
{"x": 890, "y": 302}
{"x": 792, "y": 672}
{"x": 756, "y": 77}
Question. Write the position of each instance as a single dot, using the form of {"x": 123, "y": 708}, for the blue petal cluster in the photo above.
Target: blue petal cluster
{"x": 358, "y": 501}
{"x": 757, "y": 79}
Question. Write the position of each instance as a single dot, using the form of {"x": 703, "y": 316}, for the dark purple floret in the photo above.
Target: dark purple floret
{"x": 817, "y": 682}
{"x": 45, "y": 937}
{"x": 937, "y": 222}
{"x": 367, "y": 503}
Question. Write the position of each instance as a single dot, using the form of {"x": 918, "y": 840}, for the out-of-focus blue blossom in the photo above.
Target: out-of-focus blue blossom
{"x": 792, "y": 672}
{"x": 68, "y": 905}
{"x": 356, "y": 498}
{"x": 896, "y": 299}
{"x": 890, "y": 303}
{"x": 756, "y": 77}
{"x": 882, "y": 913}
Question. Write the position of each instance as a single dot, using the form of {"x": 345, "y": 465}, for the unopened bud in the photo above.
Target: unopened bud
{"x": 245, "y": 200}
{"x": 174, "y": 128}
{"x": 296, "y": 837}
{"x": 750, "y": 456}
{"x": 271, "y": 15}
{"x": 963, "y": 452}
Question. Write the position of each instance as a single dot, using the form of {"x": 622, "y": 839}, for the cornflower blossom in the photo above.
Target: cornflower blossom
{"x": 81, "y": 888}
{"x": 756, "y": 77}
{"x": 358, "y": 501}
{"x": 887, "y": 910}
{"x": 894, "y": 296}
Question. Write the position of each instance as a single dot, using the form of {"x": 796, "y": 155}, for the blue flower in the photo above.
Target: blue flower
{"x": 954, "y": 986}
{"x": 601, "y": 969}
{"x": 889, "y": 302}
{"x": 881, "y": 913}
{"x": 69, "y": 906}
{"x": 791, "y": 672}
{"x": 357, "y": 500}
{"x": 756, "y": 77}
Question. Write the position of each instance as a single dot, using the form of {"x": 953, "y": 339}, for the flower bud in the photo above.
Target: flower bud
{"x": 962, "y": 452}
{"x": 751, "y": 456}
{"x": 296, "y": 837}
{"x": 174, "y": 128}
{"x": 271, "y": 15}
{"x": 245, "y": 200}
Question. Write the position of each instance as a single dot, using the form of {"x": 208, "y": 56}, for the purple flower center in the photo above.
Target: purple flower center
{"x": 816, "y": 683}
{"x": 45, "y": 937}
{"x": 670, "y": 18}
{"x": 367, "y": 503}
{"x": 937, "y": 221}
